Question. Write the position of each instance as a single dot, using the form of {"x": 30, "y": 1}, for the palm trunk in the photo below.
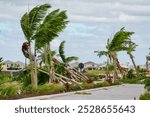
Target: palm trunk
{"x": 147, "y": 65}
{"x": 135, "y": 67}
{"x": 51, "y": 66}
{"x": 33, "y": 74}
{"x": 119, "y": 67}
{"x": 115, "y": 67}
{"x": 107, "y": 69}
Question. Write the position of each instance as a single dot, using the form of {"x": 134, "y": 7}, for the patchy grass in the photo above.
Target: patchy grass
{"x": 145, "y": 96}
{"x": 83, "y": 93}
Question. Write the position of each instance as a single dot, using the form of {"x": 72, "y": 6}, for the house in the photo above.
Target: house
{"x": 10, "y": 65}
{"x": 90, "y": 65}
{"x": 74, "y": 65}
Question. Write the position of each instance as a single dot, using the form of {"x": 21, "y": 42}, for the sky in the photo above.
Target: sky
{"x": 91, "y": 23}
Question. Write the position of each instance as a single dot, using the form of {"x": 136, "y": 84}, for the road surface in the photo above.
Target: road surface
{"x": 120, "y": 92}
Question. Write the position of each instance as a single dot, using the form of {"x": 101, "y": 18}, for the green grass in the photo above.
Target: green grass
{"x": 83, "y": 93}
{"x": 10, "y": 89}
{"x": 145, "y": 96}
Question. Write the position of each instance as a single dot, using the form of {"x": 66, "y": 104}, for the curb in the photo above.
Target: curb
{"x": 44, "y": 97}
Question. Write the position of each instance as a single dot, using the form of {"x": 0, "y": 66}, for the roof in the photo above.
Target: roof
{"x": 20, "y": 63}
{"x": 11, "y": 62}
{"x": 90, "y": 62}
{"x": 75, "y": 64}
{"x": 8, "y": 62}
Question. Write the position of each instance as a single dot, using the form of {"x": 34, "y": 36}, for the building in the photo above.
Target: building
{"x": 10, "y": 65}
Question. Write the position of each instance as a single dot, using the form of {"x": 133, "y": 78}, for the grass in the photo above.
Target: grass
{"x": 83, "y": 93}
{"x": 145, "y": 96}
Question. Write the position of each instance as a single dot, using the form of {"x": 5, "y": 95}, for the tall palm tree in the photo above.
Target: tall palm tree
{"x": 147, "y": 61}
{"x": 30, "y": 23}
{"x": 118, "y": 43}
{"x": 1, "y": 60}
{"x": 131, "y": 48}
{"x": 53, "y": 23}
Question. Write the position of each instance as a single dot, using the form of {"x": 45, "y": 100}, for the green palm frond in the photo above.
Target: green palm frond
{"x": 119, "y": 40}
{"x": 62, "y": 52}
{"x": 53, "y": 23}
{"x": 101, "y": 53}
{"x": 31, "y": 21}
{"x": 72, "y": 58}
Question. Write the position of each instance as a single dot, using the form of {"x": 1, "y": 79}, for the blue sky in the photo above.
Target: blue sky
{"x": 92, "y": 22}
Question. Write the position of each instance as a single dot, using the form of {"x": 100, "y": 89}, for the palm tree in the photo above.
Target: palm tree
{"x": 1, "y": 60}
{"x": 106, "y": 53}
{"x": 30, "y": 22}
{"x": 131, "y": 48}
{"x": 118, "y": 43}
{"x": 53, "y": 23}
{"x": 147, "y": 61}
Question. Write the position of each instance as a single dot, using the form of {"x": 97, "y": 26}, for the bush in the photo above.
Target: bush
{"x": 145, "y": 96}
{"x": 10, "y": 89}
{"x": 5, "y": 78}
{"x": 92, "y": 73}
{"x": 130, "y": 74}
{"x": 87, "y": 85}
{"x": 24, "y": 77}
{"x": 117, "y": 82}
{"x": 147, "y": 84}
{"x": 50, "y": 88}
{"x": 73, "y": 88}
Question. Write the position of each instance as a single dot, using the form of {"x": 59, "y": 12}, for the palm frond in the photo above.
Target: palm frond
{"x": 101, "y": 53}
{"x": 62, "y": 52}
{"x": 53, "y": 23}
{"x": 31, "y": 21}
{"x": 72, "y": 58}
{"x": 119, "y": 39}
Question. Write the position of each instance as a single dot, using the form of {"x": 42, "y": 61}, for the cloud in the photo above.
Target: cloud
{"x": 92, "y": 22}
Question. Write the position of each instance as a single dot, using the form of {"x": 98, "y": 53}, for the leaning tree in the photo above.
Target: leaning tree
{"x": 40, "y": 27}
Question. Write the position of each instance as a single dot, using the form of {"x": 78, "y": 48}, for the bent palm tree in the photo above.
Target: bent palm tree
{"x": 30, "y": 22}
{"x": 53, "y": 23}
{"x": 131, "y": 48}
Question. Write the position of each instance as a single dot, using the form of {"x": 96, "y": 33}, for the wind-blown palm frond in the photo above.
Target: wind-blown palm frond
{"x": 53, "y": 23}
{"x": 131, "y": 47}
{"x": 72, "y": 58}
{"x": 119, "y": 40}
{"x": 101, "y": 53}
{"x": 61, "y": 51}
{"x": 31, "y": 21}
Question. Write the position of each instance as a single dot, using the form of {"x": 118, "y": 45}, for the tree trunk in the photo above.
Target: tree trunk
{"x": 33, "y": 73}
{"x": 51, "y": 66}
{"x": 135, "y": 67}
{"x": 115, "y": 67}
{"x": 107, "y": 69}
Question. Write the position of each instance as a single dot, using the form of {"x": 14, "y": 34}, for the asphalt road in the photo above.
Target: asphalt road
{"x": 121, "y": 92}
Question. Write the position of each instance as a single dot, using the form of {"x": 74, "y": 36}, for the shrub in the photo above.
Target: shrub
{"x": 117, "y": 82}
{"x": 130, "y": 74}
{"x": 147, "y": 84}
{"x": 4, "y": 78}
{"x": 24, "y": 77}
{"x": 87, "y": 85}
{"x": 73, "y": 88}
{"x": 145, "y": 96}
{"x": 10, "y": 89}
{"x": 50, "y": 88}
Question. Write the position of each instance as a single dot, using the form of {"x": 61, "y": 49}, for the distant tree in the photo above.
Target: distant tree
{"x": 1, "y": 60}
{"x": 131, "y": 48}
{"x": 147, "y": 61}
